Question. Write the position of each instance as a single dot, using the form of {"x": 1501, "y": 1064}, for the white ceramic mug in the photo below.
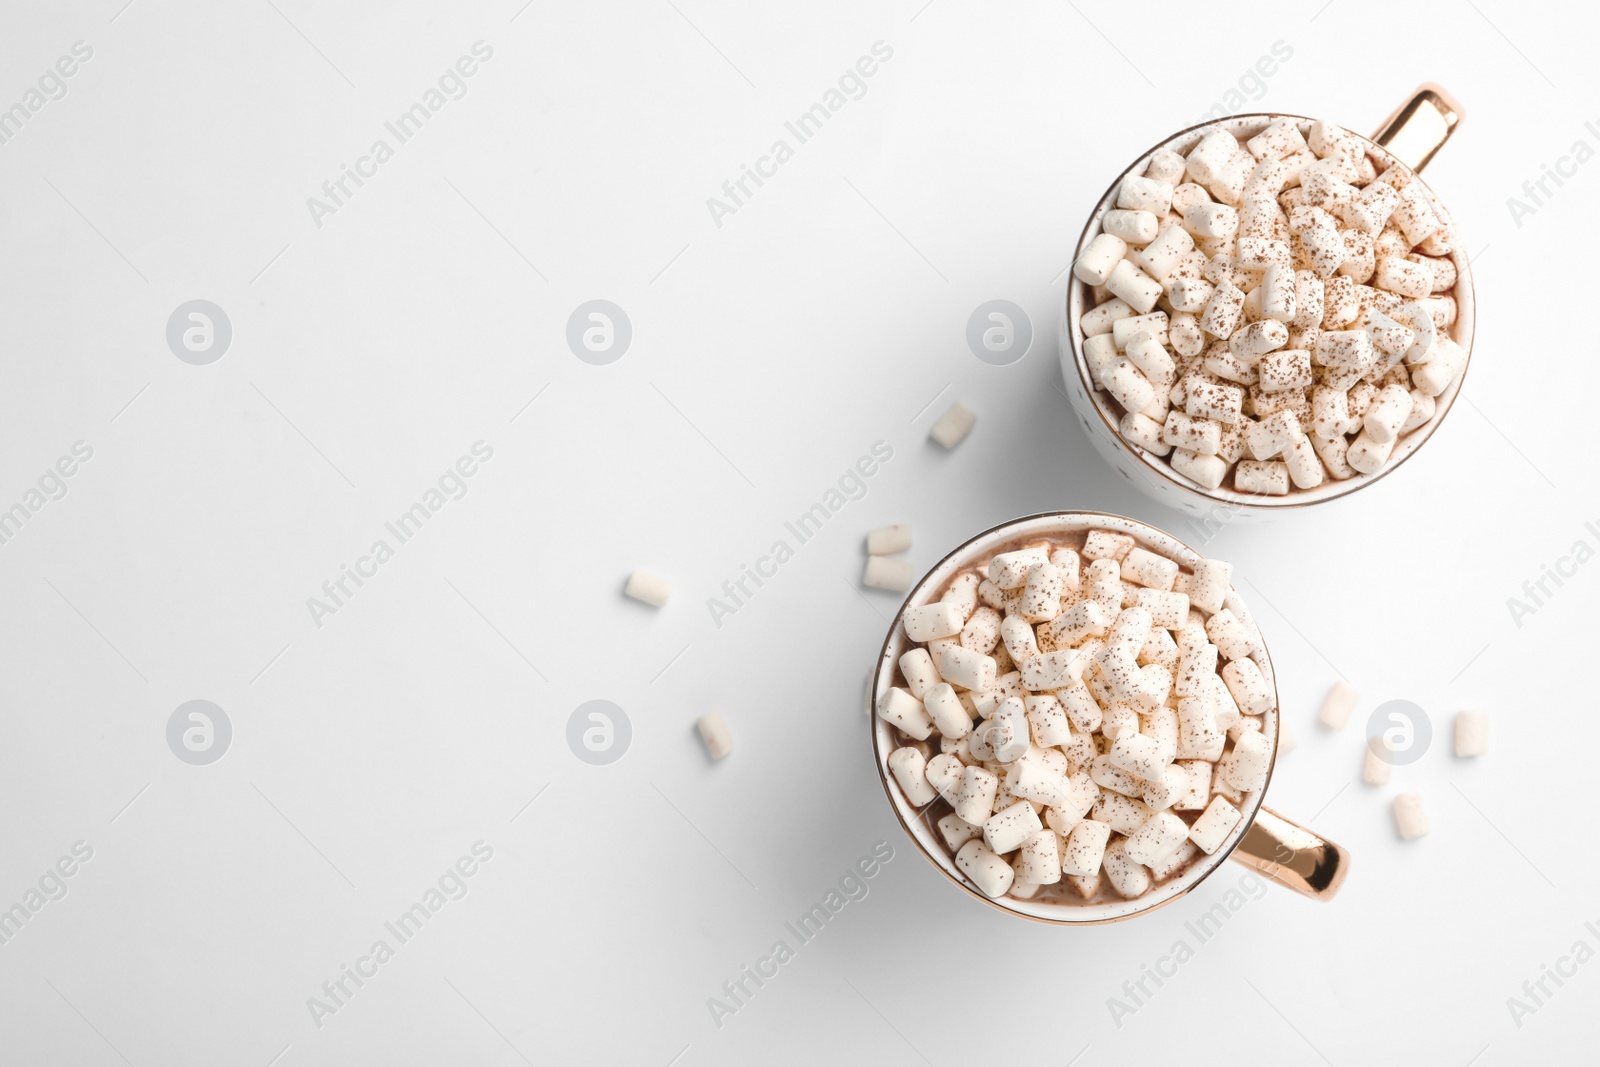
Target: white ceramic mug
{"x": 1284, "y": 852}
{"x": 1411, "y": 136}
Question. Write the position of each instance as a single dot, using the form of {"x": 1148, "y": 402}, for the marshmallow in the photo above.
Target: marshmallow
{"x": 1095, "y": 264}
{"x": 910, "y": 770}
{"x": 1213, "y": 400}
{"x": 648, "y": 588}
{"x": 1301, "y": 462}
{"x": 956, "y": 832}
{"x": 981, "y": 632}
{"x": 1108, "y": 776}
{"x": 1211, "y": 154}
{"x": 1434, "y": 376}
{"x": 1086, "y": 846}
{"x": 1080, "y": 798}
{"x": 1128, "y": 385}
{"x": 1214, "y": 825}
{"x": 1138, "y": 755}
{"x": 1209, "y": 219}
{"x": 1247, "y": 763}
{"x": 986, "y": 700}
{"x": 899, "y": 708}
{"x": 1103, "y": 544}
{"x": 1167, "y": 609}
{"x": 1132, "y": 227}
{"x": 1162, "y": 792}
{"x": 1273, "y": 435}
{"x": 931, "y": 620}
{"x": 992, "y": 875}
{"x": 1085, "y": 618}
{"x": 1005, "y": 830}
{"x": 1210, "y": 586}
{"x": 954, "y": 425}
{"x": 1472, "y": 733}
{"x": 1409, "y": 818}
{"x": 1376, "y": 769}
{"x": 1047, "y": 720}
{"x": 1041, "y": 859}
{"x": 1125, "y": 330}
{"x": 975, "y": 799}
{"x": 1160, "y": 257}
{"x": 1041, "y": 595}
{"x": 1104, "y": 316}
{"x": 1081, "y": 708}
{"x": 1160, "y": 835}
{"x": 1127, "y": 876}
{"x": 944, "y": 708}
{"x": 1388, "y": 413}
{"x": 1144, "y": 432}
{"x": 1206, "y": 471}
{"x": 1147, "y": 354}
{"x": 1222, "y": 310}
{"x": 1368, "y": 455}
{"x": 1145, "y": 194}
{"x": 715, "y": 736}
{"x": 1200, "y": 436}
{"x": 1052, "y": 670}
{"x": 1248, "y": 686}
{"x": 1199, "y": 772}
{"x": 963, "y": 594}
{"x": 1232, "y": 638}
{"x": 889, "y": 573}
{"x": 919, "y": 671}
{"x": 1165, "y": 167}
{"x": 1174, "y": 861}
{"x": 1007, "y": 730}
{"x": 966, "y": 668}
{"x": 944, "y": 773}
{"x": 1009, "y": 570}
{"x": 1281, "y": 138}
{"x": 889, "y": 539}
{"x": 1134, "y": 286}
{"x": 1199, "y": 737}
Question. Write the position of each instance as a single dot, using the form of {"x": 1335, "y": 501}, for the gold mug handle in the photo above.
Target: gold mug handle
{"x": 1293, "y": 856}
{"x": 1420, "y": 126}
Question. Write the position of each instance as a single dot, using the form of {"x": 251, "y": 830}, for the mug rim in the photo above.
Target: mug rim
{"x": 1073, "y": 310}
{"x": 933, "y": 849}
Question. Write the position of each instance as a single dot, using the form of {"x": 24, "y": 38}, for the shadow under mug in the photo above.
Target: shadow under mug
{"x": 1411, "y": 136}
{"x": 1283, "y": 851}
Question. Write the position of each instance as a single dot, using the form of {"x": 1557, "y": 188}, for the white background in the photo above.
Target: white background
{"x": 768, "y": 354}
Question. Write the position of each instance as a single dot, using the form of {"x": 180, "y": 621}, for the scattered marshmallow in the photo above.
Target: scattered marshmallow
{"x": 888, "y": 540}
{"x": 954, "y": 425}
{"x": 1375, "y": 768}
{"x": 648, "y": 588}
{"x": 1409, "y": 818}
{"x": 890, "y": 573}
{"x": 1472, "y": 733}
{"x": 714, "y": 733}
{"x": 1338, "y": 704}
